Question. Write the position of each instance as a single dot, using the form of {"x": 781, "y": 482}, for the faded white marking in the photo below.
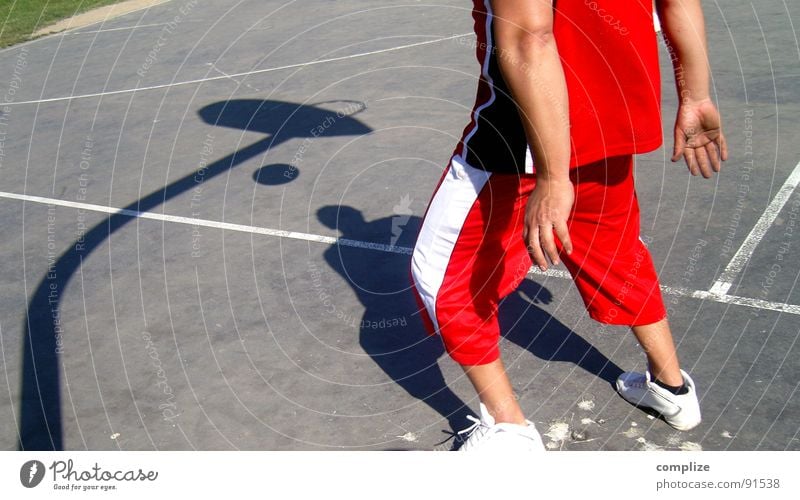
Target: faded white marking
{"x": 742, "y": 256}
{"x": 633, "y": 432}
{"x": 215, "y": 68}
{"x": 235, "y": 75}
{"x": 124, "y": 28}
{"x": 587, "y": 421}
{"x": 409, "y": 436}
{"x": 647, "y": 445}
{"x": 586, "y": 405}
{"x": 690, "y": 446}
{"x": 726, "y": 434}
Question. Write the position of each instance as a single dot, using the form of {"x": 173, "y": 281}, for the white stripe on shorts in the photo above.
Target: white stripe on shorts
{"x": 440, "y": 230}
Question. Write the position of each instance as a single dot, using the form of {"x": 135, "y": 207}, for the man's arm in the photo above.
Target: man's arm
{"x": 698, "y": 131}
{"x": 528, "y": 58}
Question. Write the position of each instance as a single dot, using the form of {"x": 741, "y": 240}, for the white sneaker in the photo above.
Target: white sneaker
{"x": 681, "y": 412}
{"x": 486, "y": 435}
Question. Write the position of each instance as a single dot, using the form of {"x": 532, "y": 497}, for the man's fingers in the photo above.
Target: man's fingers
{"x": 562, "y": 232}
{"x": 680, "y": 143}
{"x": 535, "y": 249}
{"x": 723, "y": 146}
{"x": 713, "y": 155}
{"x": 549, "y": 243}
{"x": 691, "y": 161}
{"x": 701, "y": 155}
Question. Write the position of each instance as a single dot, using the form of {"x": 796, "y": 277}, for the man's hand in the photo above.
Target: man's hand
{"x": 699, "y": 138}
{"x": 547, "y": 210}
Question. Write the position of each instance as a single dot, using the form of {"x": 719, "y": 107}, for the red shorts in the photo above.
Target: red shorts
{"x": 470, "y": 253}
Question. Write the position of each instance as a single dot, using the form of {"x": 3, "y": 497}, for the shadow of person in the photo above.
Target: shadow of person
{"x": 40, "y": 422}
{"x": 393, "y": 335}
{"x": 533, "y": 329}
{"x": 390, "y": 331}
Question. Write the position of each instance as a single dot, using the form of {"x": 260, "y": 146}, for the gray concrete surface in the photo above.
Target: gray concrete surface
{"x": 135, "y": 333}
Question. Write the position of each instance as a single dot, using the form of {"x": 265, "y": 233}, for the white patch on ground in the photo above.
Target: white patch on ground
{"x": 409, "y": 436}
{"x": 587, "y": 421}
{"x": 633, "y": 432}
{"x": 690, "y": 446}
{"x": 586, "y": 405}
{"x": 558, "y": 433}
{"x": 674, "y": 440}
{"x": 115, "y": 435}
{"x": 648, "y": 446}
{"x": 726, "y": 434}
{"x": 634, "y": 424}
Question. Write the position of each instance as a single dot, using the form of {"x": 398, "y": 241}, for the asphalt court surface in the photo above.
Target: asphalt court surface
{"x": 207, "y": 211}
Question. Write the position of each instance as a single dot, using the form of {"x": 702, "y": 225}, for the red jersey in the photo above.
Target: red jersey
{"x": 609, "y": 53}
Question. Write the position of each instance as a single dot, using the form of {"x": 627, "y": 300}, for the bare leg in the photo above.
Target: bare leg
{"x": 494, "y": 389}
{"x": 656, "y": 340}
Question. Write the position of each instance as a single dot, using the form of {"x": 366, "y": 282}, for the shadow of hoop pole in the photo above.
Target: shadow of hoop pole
{"x": 40, "y": 419}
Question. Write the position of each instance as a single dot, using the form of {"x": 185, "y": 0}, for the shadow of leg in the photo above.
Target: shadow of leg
{"x": 547, "y": 338}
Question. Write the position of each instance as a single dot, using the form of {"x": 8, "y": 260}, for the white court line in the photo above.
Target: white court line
{"x": 137, "y": 26}
{"x": 215, "y": 68}
{"x": 209, "y": 223}
{"x": 742, "y": 256}
{"x": 245, "y": 73}
{"x": 555, "y": 273}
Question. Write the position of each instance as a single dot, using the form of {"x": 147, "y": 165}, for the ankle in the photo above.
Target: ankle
{"x": 678, "y": 390}
{"x": 670, "y": 377}
{"x": 507, "y": 415}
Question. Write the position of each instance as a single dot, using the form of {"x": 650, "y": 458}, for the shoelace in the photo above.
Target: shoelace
{"x": 476, "y": 423}
{"x": 478, "y": 430}
{"x": 481, "y": 429}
